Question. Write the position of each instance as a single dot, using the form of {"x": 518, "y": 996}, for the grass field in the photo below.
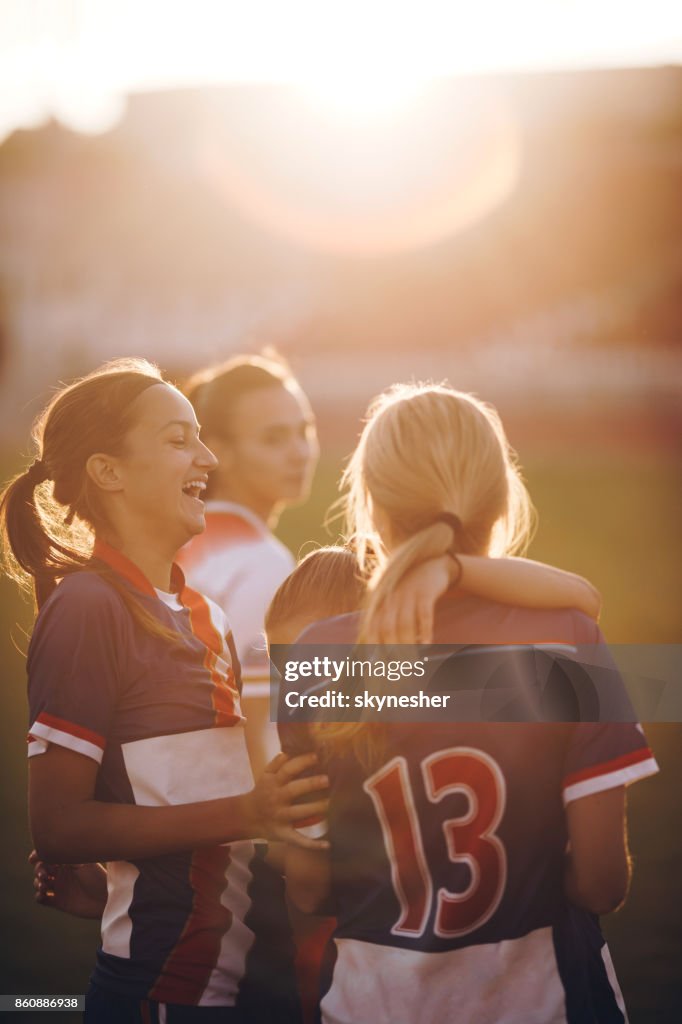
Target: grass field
{"x": 614, "y": 519}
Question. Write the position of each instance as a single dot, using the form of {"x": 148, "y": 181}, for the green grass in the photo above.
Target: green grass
{"x": 617, "y": 522}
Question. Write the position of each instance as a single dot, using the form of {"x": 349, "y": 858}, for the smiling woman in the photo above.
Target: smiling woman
{"x": 136, "y": 746}
{"x": 153, "y": 487}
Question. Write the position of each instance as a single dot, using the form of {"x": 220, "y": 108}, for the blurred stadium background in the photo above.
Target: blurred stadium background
{"x": 517, "y": 233}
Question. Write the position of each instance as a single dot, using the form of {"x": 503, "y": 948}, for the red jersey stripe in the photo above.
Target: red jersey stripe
{"x": 605, "y": 767}
{"x": 222, "y": 695}
{"x": 52, "y": 722}
{"x": 189, "y": 966}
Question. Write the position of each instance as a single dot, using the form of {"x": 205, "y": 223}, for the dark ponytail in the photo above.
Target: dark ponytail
{"x": 49, "y": 513}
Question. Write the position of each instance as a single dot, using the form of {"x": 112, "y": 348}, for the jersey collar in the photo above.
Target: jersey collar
{"x": 233, "y": 508}
{"x": 117, "y": 561}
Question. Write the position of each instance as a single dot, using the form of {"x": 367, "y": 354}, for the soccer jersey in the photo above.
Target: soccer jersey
{"x": 239, "y": 564}
{"x": 163, "y": 722}
{"x": 448, "y": 854}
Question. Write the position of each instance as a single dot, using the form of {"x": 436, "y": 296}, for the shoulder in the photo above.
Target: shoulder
{"x": 83, "y": 602}
{"x": 342, "y": 629}
{"x": 475, "y": 620}
{"x": 257, "y": 567}
{"x": 84, "y": 609}
{"x": 224, "y": 553}
{"x": 83, "y": 593}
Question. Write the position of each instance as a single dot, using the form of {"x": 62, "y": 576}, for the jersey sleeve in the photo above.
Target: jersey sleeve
{"x": 604, "y": 755}
{"x": 74, "y": 667}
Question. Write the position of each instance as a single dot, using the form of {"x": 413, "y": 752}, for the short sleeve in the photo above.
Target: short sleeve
{"x": 74, "y": 666}
{"x": 603, "y": 755}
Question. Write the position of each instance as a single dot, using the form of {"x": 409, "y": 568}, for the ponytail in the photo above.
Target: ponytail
{"x": 49, "y": 512}
{"x": 432, "y": 472}
{"x": 32, "y": 557}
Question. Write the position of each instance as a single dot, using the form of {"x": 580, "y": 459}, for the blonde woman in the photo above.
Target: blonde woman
{"x": 449, "y": 875}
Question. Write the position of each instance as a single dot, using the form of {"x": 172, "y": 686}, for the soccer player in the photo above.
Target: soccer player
{"x": 136, "y": 746}
{"x": 257, "y": 420}
{"x": 327, "y": 582}
{"x": 468, "y": 860}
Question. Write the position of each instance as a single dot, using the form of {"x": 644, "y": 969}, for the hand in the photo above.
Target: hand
{"x": 77, "y": 889}
{"x": 406, "y": 615}
{"x": 272, "y": 802}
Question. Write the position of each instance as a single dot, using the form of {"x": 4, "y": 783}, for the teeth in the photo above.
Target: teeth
{"x": 194, "y": 485}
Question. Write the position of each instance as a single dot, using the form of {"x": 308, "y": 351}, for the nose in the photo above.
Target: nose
{"x": 306, "y": 448}
{"x": 206, "y": 458}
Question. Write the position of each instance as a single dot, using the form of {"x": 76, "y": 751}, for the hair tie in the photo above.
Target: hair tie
{"x": 455, "y": 524}
{"x": 451, "y": 520}
{"x": 37, "y": 472}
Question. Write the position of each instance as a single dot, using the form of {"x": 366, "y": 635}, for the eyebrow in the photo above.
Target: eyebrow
{"x": 185, "y": 424}
{"x": 308, "y": 421}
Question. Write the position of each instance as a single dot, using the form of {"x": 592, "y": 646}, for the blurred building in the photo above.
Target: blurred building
{"x": 567, "y": 293}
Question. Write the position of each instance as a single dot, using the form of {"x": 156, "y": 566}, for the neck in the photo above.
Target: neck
{"x": 155, "y": 563}
{"x": 266, "y": 510}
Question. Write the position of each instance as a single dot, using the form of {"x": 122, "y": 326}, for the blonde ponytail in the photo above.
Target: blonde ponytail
{"x": 427, "y": 450}
{"x": 433, "y": 471}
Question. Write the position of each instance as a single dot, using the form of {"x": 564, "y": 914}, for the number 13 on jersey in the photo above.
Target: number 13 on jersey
{"x": 469, "y": 839}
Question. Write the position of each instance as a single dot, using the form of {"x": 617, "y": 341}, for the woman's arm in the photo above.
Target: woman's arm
{"x": 597, "y": 865}
{"x": 529, "y": 584}
{"x": 70, "y": 826}
{"x": 407, "y": 615}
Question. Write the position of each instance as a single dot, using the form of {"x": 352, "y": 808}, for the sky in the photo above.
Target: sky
{"x": 77, "y": 59}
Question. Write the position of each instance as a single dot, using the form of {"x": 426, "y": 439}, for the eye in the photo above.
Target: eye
{"x": 275, "y": 439}
{"x": 179, "y": 442}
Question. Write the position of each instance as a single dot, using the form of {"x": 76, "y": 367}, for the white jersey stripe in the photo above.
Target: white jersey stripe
{"x": 609, "y": 780}
{"x": 117, "y": 927}
{"x": 613, "y": 980}
{"x": 387, "y": 984}
{"x": 42, "y": 735}
{"x": 222, "y": 985}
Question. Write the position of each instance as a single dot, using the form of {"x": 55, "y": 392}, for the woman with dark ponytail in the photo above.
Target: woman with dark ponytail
{"x": 136, "y": 746}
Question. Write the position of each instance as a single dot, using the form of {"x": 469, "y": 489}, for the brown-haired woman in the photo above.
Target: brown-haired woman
{"x": 258, "y": 421}
{"x": 137, "y": 753}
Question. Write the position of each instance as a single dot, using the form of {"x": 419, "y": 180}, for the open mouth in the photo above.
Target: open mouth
{"x": 194, "y": 489}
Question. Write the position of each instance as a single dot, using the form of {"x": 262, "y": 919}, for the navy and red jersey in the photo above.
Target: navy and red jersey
{"x": 448, "y": 853}
{"x": 205, "y": 927}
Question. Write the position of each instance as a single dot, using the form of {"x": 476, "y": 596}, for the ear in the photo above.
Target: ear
{"x": 104, "y": 471}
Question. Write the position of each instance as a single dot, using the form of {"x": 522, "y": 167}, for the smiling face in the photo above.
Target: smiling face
{"x": 269, "y": 455}
{"x": 156, "y": 485}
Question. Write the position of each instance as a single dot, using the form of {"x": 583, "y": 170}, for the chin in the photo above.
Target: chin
{"x": 297, "y": 496}
{"x": 193, "y": 527}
